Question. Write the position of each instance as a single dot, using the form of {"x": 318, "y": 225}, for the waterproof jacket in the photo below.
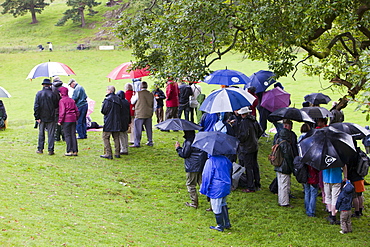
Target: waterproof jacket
{"x": 68, "y": 111}
{"x": 216, "y": 177}
{"x": 185, "y": 92}
{"x": 194, "y": 157}
{"x": 3, "y": 111}
{"x": 161, "y": 96}
{"x": 46, "y": 103}
{"x": 249, "y": 131}
{"x": 344, "y": 201}
{"x": 112, "y": 110}
{"x": 128, "y": 96}
{"x": 172, "y": 94}
{"x": 79, "y": 96}
{"x": 287, "y": 166}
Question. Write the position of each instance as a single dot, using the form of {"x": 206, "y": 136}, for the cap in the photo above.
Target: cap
{"x": 244, "y": 110}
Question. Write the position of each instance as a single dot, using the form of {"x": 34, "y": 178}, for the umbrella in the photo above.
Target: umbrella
{"x": 326, "y": 148}
{"x": 317, "y": 98}
{"x": 261, "y": 80}
{"x": 356, "y": 131}
{"x": 177, "y": 124}
{"x": 227, "y": 77}
{"x": 275, "y": 99}
{"x": 50, "y": 69}
{"x": 4, "y": 93}
{"x": 227, "y": 100}
{"x": 124, "y": 71}
{"x": 290, "y": 113}
{"x": 317, "y": 112}
{"x": 215, "y": 142}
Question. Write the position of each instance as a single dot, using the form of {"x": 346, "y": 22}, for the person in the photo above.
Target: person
{"x": 194, "y": 160}
{"x": 50, "y": 46}
{"x": 288, "y": 124}
{"x": 284, "y": 171}
{"x": 159, "y": 97}
{"x": 67, "y": 117}
{"x": 193, "y": 102}
{"x": 3, "y": 115}
{"x": 57, "y": 83}
{"x": 136, "y": 84}
{"x": 208, "y": 121}
{"x": 253, "y": 107}
{"x": 304, "y": 129}
{"x": 366, "y": 141}
{"x": 344, "y": 205}
{"x": 46, "y": 103}
{"x": 126, "y": 120}
{"x": 129, "y": 92}
{"x": 216, "y": 184}
{"x": 248, "y": 133}
{"x": 185, "y": 92}
{"x": 310, "y": 191}
{"x": 144, "y": 106}
{"x": 80, "y": 97}
{"x": 172, "y": 102}
{"x": 338, "y": 116}
{"x": 112, "y": 110}
{"x": 41, "y": 48}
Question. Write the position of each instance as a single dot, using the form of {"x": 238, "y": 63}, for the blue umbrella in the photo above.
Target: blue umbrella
{"x": 215, "y": 142}
{"x": 261, "y": 80}
{"x": 227, "y": 100}
{"x": 227, "y": 77}
{"x": 177, "y": 124}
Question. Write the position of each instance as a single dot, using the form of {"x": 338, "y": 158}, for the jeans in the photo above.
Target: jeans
{"x": 310, "y": 194}
{"x": 184, "y": 108}
{"x": 81, "y": 122}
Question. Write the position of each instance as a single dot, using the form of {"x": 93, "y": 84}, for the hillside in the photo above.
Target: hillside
{"x": 19, "y": 35}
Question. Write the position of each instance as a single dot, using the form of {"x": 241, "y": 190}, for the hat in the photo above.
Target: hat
{"x": 46, "y": 82}
{"x": 244, "y": 110}
{"x": 70, "y": 81}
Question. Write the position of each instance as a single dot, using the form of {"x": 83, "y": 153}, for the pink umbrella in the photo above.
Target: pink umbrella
{"x": 275, "y": 99}
{"x": 123, "y": 72}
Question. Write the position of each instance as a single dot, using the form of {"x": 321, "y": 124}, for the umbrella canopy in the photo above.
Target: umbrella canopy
{"x": 317, "y": 112}
{"x": 227, "y": 100}
{"x": 227, "y": 77}
{"x": 50, "y": 69}
{"x": 290, "y": 113}
{"x": 356, "y": 131}
{"x": 275, "y": 99}
{"x": 4, "y": 93}
{"x": 215, "y": 142}
{"x": 261, "y": 80}
{"x": 177, "y": 124}
{"x": 326, "y": 148}
{"x": 124, "y": 71}
{"x": 317, "y": 98}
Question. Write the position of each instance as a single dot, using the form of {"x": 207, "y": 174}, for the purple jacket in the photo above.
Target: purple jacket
{"x": 68, "y": 111}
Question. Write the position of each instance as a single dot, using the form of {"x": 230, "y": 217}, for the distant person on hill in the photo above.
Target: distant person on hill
{"x": 50, "y": 46}
{"x": 46, "y": 103}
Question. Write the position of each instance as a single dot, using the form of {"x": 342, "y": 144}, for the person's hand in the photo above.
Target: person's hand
{"x": 59, "y": 124}
{"x": 177, "y": 144}
{"x": 38, "y": 120}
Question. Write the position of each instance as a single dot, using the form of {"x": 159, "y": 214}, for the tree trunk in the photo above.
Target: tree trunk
{"x": 82, "y": 17}
{"x": 33, "y": 13}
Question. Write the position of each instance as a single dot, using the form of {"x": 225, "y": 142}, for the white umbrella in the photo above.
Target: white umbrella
{"x": 4, "y": 93}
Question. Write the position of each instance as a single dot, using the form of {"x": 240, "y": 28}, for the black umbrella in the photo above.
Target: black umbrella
{"x": 356, "y": 131}
{"x": 317, "y": 98}
{"x": 177, "y": 124}
{"x": 326, "y": 148}
{"x": 317, "y": 112}
{"x": 290, "y": 113}
{"x": 216, "y": 143}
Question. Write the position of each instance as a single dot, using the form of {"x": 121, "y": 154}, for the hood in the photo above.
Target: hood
{"x": 348, "y": 188}
{"x": 63, "y": 91}
{"x": 1, "y": 103}
{"x": 57, "y": 83}
{"x": 121, "y": 94}
{"x": 284, "y": 134}
{"x": 189, "y": 135}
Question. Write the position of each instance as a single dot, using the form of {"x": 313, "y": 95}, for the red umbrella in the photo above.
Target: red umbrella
{"x": 275, "y": 99}
{"x": 123, "y": 72}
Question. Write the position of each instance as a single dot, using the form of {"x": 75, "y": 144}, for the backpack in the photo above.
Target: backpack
{"x": 276, "y": 157}
{"x": 362, "y": 163}
{"x": 300, "y": 170}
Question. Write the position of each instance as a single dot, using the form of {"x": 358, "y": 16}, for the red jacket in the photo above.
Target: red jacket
{"x": 128, "y": 96}
{"x": 68, "y": 111}
{"x": 172, "y": 94}
{"x": 313, "y": 177}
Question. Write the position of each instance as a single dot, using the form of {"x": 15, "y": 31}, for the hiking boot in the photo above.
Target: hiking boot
{"x": 51, "y": 153}
{"x": 39, "y": 152}
{"x": 68, "y": 154}
{"x": 109, "y": 157}
{"x": 191, "y": 205}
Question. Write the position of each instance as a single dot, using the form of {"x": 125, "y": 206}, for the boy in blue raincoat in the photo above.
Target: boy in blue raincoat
{"x": 216, "y": 184}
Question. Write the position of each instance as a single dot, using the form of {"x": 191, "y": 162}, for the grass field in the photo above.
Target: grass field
{"x": 137, "y": 200}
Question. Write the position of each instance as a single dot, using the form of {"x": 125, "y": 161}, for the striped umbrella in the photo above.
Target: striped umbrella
{"x": 50, "y": 69}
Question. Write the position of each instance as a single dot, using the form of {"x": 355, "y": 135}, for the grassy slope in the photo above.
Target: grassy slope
{"x": 137, "y": 200}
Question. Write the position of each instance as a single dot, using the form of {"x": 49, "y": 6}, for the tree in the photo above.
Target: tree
{"x": 324, "y": 37}
{"x": 21, "y": 7}
{"x": 77, "y": 12}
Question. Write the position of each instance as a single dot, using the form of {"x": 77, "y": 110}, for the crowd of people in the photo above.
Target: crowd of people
{"x": 127, "y": 114}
